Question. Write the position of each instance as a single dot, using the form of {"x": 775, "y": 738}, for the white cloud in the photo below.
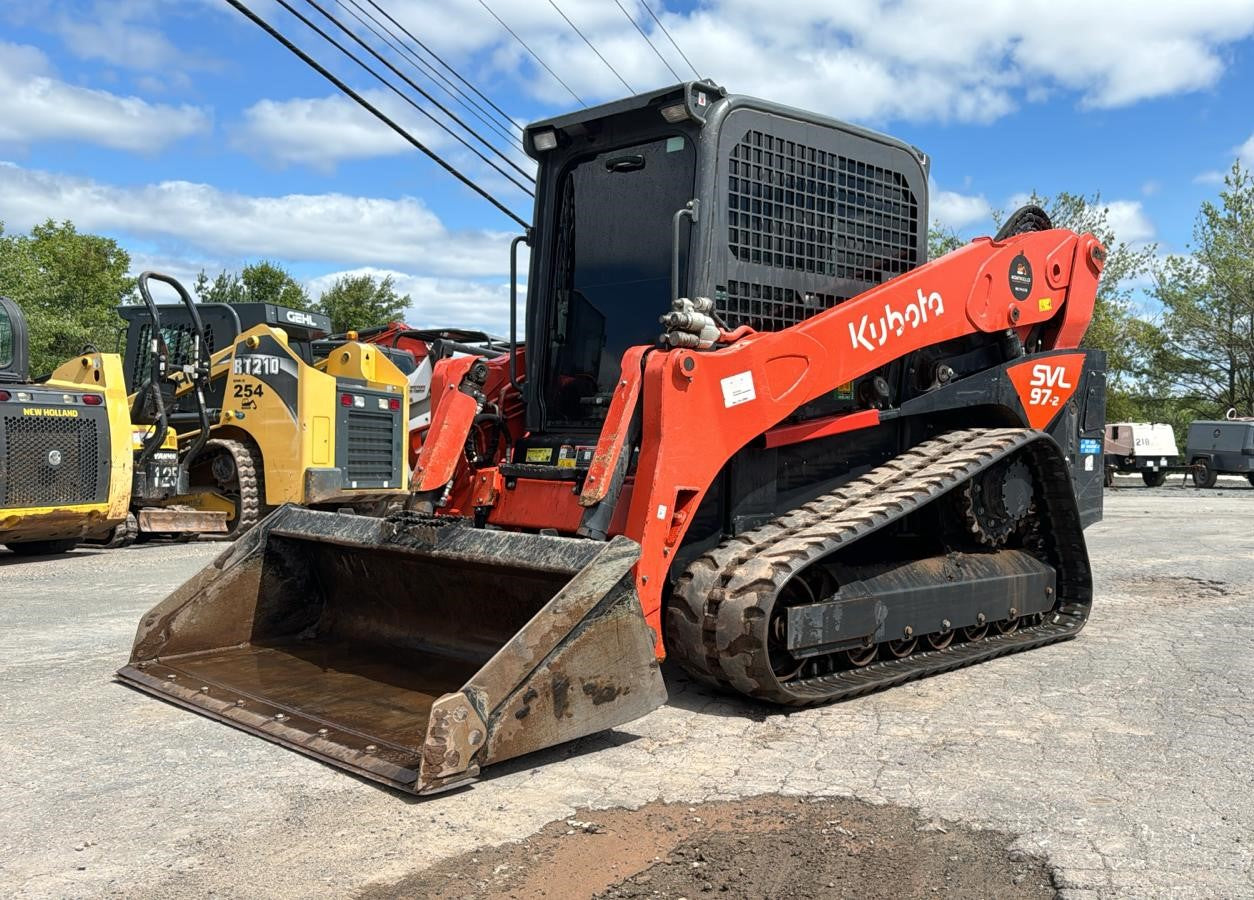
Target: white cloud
{"x": 1129, "y": 222}
{"x": 957, "y": 211}
{"x": 183, "y": 270}
{"x": 35, "y": 106}
{"x": 1245, "y": 152}
{"x": 317, "y": 227}
{"x": 117, "y": 42}
{"x": 437, "y": 302}
{"x": 914, "y": 59}
{"x": 323, "y": 131}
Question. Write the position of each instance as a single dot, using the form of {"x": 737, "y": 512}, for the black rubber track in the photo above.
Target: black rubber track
{"x": 720, "y": 609}
{"x": 124, "y": 533}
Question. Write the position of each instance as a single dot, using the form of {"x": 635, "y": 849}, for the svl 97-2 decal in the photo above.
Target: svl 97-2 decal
{"x": 1045, "y": 385}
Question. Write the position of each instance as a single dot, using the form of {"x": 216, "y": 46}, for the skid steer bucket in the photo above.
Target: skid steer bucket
{"x": 411, "y": 650}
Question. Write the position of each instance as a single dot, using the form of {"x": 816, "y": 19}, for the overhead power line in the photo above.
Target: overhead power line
{"x": 444, "y": 109}
{"x": 533, "y": 53}
{"x": 575, "y": 27}
{"x": 478, "y": 93}
{"x": 371, "y": 108}
{"x": 632, "y": 20}
{"x": 645, "y": 4}
{"x": 389, "y": 37}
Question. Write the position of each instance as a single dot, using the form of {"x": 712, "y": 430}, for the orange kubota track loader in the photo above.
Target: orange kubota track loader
{"x": 754, "y": 430}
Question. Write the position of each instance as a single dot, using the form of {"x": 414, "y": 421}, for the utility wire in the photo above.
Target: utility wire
{"x": 533, "y": 53}
{"x": 632, "y": 20}
{"x": 388, "y": 37}
{"x": 553, "y": 4}
{"x": 444, "y": 109}
{"x": 645, "y": 4}
{"x": 409, "y": 34}
{"x": 365, "y": 104}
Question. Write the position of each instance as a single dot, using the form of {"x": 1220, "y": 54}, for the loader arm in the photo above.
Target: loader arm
{"x": 761, "y": 379}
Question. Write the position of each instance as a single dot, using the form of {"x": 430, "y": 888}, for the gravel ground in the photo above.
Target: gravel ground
{"x": 790, "y": 848}
{"x": 1125, "y": 758}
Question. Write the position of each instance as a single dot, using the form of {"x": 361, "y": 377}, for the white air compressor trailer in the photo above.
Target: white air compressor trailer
{"x": 1145, "y": 447}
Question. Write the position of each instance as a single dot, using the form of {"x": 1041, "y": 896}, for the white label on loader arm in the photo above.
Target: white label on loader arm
{"x": 738, "y": 389}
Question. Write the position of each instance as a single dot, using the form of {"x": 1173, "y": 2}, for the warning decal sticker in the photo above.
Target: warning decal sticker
{"x": 738, "y": 389}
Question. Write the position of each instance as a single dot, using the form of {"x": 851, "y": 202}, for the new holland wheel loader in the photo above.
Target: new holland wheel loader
{"x": 832, "y": 465}
{"x": 260, "y": 418}
{"x": 65, "y": 458}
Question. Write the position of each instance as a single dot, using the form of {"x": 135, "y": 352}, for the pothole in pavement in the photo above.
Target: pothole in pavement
{"x": 768, "y": 846}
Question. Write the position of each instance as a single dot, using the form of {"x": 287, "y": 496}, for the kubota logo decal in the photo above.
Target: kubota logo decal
{"x": 1044, "y": 386}
{"x": 873, "y": 332}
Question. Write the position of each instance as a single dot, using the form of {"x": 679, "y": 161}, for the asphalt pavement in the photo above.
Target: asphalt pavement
{"x": 1125, "y": 757}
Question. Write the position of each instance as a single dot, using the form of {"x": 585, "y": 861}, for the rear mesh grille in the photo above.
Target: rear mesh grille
{"x": 48, "y": 462}
{"x": 371, "y": 438}
{"x": 809, "y": 211}
{"x": 766, "y": 307}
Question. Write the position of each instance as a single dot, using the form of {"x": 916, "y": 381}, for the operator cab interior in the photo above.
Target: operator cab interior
{"x": 610, "y": 284}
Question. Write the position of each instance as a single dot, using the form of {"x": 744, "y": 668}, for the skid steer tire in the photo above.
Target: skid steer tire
{"x": 240, "y": 462}
{"x": 43, "y": 548}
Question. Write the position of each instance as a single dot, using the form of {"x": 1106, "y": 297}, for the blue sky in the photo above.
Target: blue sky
{"x": 182, "y": 130}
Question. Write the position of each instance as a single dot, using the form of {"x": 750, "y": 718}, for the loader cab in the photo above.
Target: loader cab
{"x": 14, "y": 362}
{"x": 775, "y": 213}
{"x": 223, "y": 323}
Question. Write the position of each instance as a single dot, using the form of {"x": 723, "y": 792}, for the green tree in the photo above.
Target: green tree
{"x": 69, "y": 286}
{"x": 1207, "y": 355}
{"x": 942, "y": 239}
{"x": 359, "y": 301}
{"x": 225, "y": 288}
{"x": 261, "y": 282}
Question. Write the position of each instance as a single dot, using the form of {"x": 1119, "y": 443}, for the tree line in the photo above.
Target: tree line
{"x": 70, "y": 284}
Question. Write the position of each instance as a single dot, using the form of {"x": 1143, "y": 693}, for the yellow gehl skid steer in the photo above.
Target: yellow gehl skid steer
{"x": 260, "y": 420}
